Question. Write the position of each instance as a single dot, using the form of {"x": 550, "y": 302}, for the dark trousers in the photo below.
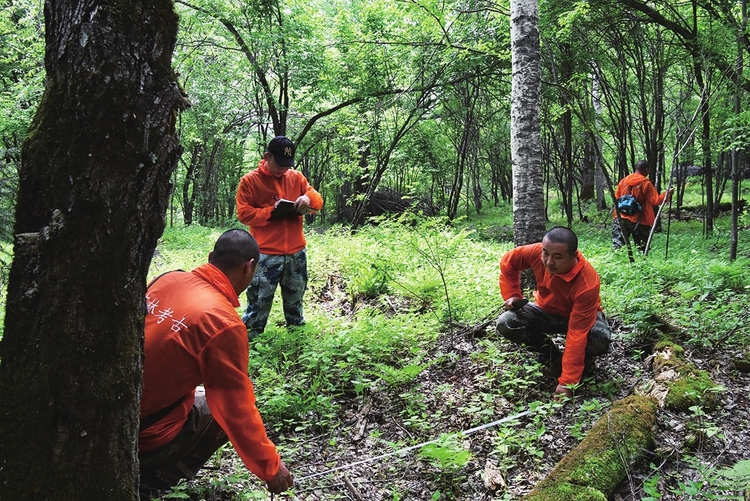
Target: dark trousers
{"x": 638, "y": 232}
{"x": 184, "y": 455}
{"x": 530, "y": 327}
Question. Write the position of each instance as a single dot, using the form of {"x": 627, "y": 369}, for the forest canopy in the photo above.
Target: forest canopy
{"x": 399, "y": 103}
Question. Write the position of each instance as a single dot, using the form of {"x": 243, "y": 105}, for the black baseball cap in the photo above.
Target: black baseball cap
{"x": 282, "y": 149}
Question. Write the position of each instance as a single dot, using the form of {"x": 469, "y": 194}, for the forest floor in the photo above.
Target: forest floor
{"x": 466, "y": 384}
{"x": 410, "y": 477}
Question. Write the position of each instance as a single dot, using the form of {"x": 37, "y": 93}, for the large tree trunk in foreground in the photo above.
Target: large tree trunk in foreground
{"x": 94, "y": 185}
{"x": 598, "y": 465}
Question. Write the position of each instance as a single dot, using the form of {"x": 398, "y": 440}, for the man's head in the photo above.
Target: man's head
{"x": 236, "y": 254}
{"x": 279, "y": 155}
{"x": 642, "y": 167}
{"x": 559, "y": 247}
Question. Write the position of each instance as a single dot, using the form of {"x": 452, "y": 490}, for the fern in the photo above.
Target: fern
{"x": 736, "y": 478}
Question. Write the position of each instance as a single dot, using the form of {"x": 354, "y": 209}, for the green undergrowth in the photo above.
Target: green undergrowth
{"x": 420, "y": 278}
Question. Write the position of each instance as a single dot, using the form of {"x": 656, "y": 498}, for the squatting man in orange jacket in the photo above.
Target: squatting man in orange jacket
{"x": 194, "y": 336}
{"x": 283, "y": 253}
{"x": 566, "y": 302}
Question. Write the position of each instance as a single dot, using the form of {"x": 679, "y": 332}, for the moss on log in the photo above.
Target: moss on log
{"x": 677, "y": 383}
{"x": 593, "y": 470}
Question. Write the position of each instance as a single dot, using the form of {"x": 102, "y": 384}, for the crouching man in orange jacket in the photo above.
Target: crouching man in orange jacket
{"x": 566, "y": 302}
{"x": 194, "y": 336}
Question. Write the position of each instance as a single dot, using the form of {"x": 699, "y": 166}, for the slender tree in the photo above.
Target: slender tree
{"x": 94, "y": 185}
{"x": 734, "y": 237}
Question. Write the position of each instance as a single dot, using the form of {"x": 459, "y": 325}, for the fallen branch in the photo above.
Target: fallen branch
{"x": 601, "y": 462}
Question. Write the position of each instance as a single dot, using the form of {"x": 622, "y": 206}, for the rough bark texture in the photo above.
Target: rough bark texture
{"x": 593, "y": 470}
{"x": 525, "y": 140}
{"x": 93, "y": 194}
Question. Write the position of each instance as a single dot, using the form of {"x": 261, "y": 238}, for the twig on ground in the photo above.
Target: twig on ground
{"x": 353, "y": 490}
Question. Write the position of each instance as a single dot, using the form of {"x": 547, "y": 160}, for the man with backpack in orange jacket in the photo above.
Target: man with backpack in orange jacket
{"x": 638, "y": 225}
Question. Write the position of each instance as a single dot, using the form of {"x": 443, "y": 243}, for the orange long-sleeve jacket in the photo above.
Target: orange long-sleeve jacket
{"x": 257, "y": 193}
{"x": 574, "y": 294}
{"x": 644, "y": 191}
{"x": 194, "y": 336}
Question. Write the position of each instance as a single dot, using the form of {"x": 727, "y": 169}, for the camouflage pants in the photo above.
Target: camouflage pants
{"x": 531, "y": 325}
{"x": 288, "y": 271}
{"x": 638, "y": 232}
{"x": 185, "y": 454}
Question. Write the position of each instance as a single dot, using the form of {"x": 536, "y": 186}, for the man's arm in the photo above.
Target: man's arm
{"x": 580, "y": 322}
{"x": 231, "y": 398}
{"x": 248, "y": 212}
{"x": 512, "y": 264}
{"x": 315, "y": 200}
{"x": 654, "y": 198}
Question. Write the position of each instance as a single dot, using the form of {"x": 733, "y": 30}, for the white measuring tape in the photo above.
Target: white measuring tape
{"x": 412, "y": 447}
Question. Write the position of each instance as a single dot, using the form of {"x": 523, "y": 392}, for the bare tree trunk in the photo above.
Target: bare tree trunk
{"x": 525, "y": 140}
{"x": 208, "y": 198}
{"x": 588, "y": 168}
{"x": 735, "y": 154}
{"x": 188, "y": 196}
{"x": 707, "y": 164}
{"x": 600, "y": 179}
{"x": 95, "y": 183}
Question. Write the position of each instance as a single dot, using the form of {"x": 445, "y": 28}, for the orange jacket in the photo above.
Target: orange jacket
{"x": 256, "y": 196}
{"x": 644, "y": 191}
{"x": 574, "y": 294}
{"x": 194, "y": 336}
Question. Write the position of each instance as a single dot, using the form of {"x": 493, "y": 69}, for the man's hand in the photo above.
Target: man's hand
{"x": 282, "y": 481}
{"x": 563, "y": 391}
{"x": 515, "y": 303}
{"x": 302, "y": 205}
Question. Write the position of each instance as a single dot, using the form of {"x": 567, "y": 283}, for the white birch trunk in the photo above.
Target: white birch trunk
{"x": 525, "y": 140}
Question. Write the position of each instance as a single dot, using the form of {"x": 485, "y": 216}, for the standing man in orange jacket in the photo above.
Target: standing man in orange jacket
{"x": 637, "y": 225}
{"x": 283, "y": 253}
{"x": 193, "y": 336}
{"x": 566, "y": 302}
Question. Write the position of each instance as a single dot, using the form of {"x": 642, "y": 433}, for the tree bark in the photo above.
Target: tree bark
{"x": 93, "y": 194}
{"x": 734, "y": 231}
{"x": 525, "y": 140}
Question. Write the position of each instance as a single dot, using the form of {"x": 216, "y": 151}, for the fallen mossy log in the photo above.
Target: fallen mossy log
{"x": 600, "y": 463}
{"x": 677, "y": 383}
